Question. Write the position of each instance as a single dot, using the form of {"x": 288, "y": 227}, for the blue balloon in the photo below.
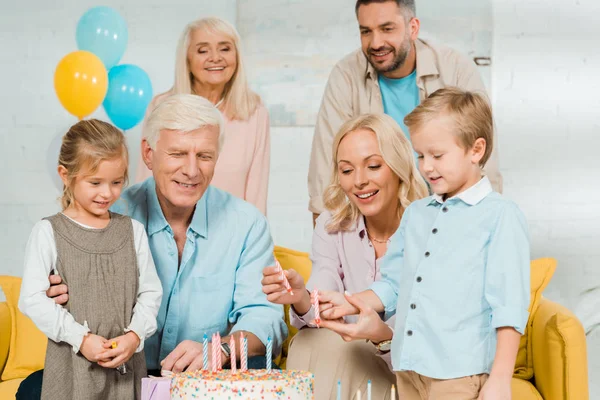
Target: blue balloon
{"x": 129, "y": 93}
{"x": 103, "y": 31}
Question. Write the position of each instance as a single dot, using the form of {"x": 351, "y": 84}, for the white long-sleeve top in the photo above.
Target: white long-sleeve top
{"x": 54, "y": 320}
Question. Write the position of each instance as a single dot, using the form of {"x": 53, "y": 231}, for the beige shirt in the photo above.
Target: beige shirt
{"x": 353, "y": 90}
{"x": 244, "y": 162}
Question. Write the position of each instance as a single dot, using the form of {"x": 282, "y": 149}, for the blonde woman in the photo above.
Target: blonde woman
{"x": 374, "y": 179}
{"x": 209, "y": 64}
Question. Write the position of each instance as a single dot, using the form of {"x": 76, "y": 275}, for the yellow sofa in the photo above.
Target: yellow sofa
{"x": 558, "y": 347}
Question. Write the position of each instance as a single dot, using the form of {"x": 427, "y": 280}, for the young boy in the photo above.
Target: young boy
{"x": 456, "y": 272}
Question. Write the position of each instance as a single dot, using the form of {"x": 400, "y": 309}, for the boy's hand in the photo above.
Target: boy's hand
{"x": 92, "y": 348}
{"x": 125, "y": 348}
{"x": 496, "y": 389}
{"x": 334, "y": 305}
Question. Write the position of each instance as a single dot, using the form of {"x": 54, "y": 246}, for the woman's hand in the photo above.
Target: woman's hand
{"x": 369, "y": 325}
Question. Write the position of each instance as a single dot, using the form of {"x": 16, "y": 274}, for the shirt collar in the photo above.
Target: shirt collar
{"x": 471, "y": 196}
{"x": 426, "y": 64}
{"x": 361, "y": 228}
{"x": 156, "y": 218}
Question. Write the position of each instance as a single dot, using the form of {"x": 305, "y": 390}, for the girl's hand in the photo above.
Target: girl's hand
{"x": 369, "y": 325}
{"x": 496, "y": 389}
{"x": 333, "y": 305}
{"x": 125, "y": 348}
{"x": 273, "y": 287}
{"x": 92, "y": 348}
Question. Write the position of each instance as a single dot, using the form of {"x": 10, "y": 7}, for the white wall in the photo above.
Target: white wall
{"x": 545, "y": 91}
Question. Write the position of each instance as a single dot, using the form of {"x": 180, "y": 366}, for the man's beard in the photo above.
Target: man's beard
{"x": 400, "y": 57}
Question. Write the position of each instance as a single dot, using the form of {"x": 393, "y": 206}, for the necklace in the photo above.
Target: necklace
{"x": 375, "y": 239}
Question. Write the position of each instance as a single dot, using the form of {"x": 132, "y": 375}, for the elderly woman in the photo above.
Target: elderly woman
{"x": 209, "y": 63}
{"x": 374, "y": 179}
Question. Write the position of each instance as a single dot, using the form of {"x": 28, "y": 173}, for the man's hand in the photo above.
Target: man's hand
{"x": 187, "y": 356}
{"x": 125, "y": 348}
{"x": 57, "y": 292}
{"x": 272, "y": 286}
{"x": 92, "y": 348}
{"x": 369, "y": 325}
{"x": 496, "y": 388}
{"x": 333, "y": 305}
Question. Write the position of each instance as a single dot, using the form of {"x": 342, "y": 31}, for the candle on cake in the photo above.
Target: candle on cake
{"x": 243, "y": 353}
{"x": 339, "y": 391}
{"x": 233, "y": 358}
{"x": 369, "y": 390}
{"x": 216, "y": 348}
{"x": 205, "y": 352}
{"x": 269, "y": 353}
{"x": 219, "y": 353}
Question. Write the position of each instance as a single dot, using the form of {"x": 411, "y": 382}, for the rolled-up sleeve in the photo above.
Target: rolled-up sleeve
{"x": 387, "y": 287}
{"x": 326, "y": 268}
{"x": 251, "y": 311}
{"x": 508, "y": 270}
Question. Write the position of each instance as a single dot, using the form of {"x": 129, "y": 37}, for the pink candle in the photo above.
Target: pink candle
{"x": 315, "y": 303}
{"x": 219, "y": 353}
{"x": 284, "y": 278}
{"x": 243, "y": 353}
{"x": 233, "y": 358}
{"x": 216, "y": 349}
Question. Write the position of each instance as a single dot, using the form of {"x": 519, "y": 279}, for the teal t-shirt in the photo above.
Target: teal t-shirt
{"x": 400, "y": 97}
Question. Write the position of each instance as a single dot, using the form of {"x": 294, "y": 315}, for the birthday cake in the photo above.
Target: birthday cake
{"x": 248, "y": 385}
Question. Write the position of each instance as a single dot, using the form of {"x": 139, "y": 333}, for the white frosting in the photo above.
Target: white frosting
{"x": 255, "y": 384}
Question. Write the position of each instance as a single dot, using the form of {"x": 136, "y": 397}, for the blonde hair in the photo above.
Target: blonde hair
{"x": 86, "y": 145}
{"x": 239, "y": 101}
{"x": 185, "y": 113}
{"x": 470, "y": 111}
{"x": 397, "y": 153}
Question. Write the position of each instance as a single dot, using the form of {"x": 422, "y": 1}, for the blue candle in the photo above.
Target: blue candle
{"x": 369, "y": 390}
{"x": 339, "y": 390}
{"x": 269, "y": 353}
{"x": 205, "y": 352}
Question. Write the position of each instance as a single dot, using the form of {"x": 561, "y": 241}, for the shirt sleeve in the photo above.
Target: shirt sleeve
{"x": 257, "y": 184}
{"x": 326, "y": 269}
{"x": 336, "y": 108}
{"x": 469, "y": 79}
{"x": 391, "y": 264}
{"x": 50, "y": 318}
{"x": 143, "y": 320}
{"x": 508, "y": 270}
{"x": 251, "y": 311}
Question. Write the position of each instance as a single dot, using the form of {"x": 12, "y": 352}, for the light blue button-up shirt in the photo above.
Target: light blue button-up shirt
{"x": 455, "y": 271}
{"x": 217, "y": 286}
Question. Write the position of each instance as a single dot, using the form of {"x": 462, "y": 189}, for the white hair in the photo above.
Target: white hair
{"x": 185, "y": 113}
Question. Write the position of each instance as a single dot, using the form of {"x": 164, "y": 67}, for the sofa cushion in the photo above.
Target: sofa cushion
{"x": 542, "y": 270}
{"x": 4, "y": 334}
{"x": 27, "y": 343}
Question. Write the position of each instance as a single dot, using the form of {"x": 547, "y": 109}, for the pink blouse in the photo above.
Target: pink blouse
{"x": 243, "y": 165}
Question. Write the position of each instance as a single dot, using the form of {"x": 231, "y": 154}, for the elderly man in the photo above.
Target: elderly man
{"x": 209, "y": 247}
{"x": 392, "y": 73}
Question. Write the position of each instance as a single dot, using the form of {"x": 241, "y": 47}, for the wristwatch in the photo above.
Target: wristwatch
{"x": 383, "y": 347}
{"x": 226, "y": 350}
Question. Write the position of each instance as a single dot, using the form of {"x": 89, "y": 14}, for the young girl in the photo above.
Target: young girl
{"x": 114, "y": 291}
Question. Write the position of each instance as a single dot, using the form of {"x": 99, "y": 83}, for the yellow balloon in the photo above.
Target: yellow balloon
{"x": 80, "y": 82}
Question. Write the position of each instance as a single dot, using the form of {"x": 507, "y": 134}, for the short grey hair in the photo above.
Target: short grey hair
{"x": 185, "y": 113}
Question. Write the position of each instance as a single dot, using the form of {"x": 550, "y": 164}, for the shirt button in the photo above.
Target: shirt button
{"x": 413, "y": 306}
{"x": 445, "y": 209}
{"x": 419, "y": 279}
{"x": 427, "y": 254}
{"x": 169, "y": 330}
{"x": 434, "y": 231}
{"x": 409, "y": 332}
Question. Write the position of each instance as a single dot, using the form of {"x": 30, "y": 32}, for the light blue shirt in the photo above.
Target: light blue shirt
{"x": 400, "y": 97}
{"x": 217, "y": 286}
{"x": 455, "y": 271}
